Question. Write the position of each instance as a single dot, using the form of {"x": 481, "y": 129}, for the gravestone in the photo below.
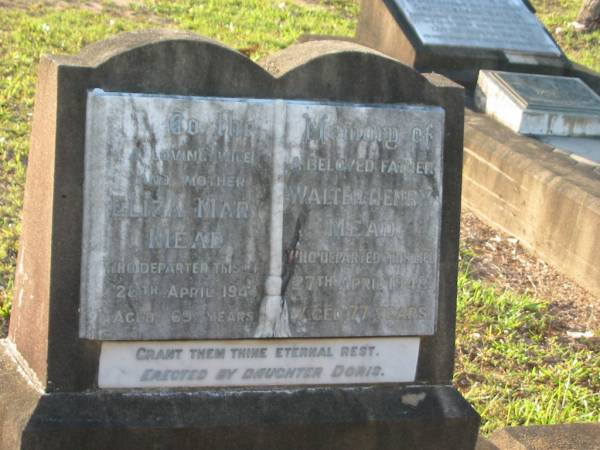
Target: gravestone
{"x": 460, "y": 37}
{"x": 201, "y": 224}
{"x": 539, "y": 104}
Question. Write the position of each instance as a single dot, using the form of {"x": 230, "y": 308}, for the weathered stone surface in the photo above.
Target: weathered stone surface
{"x": 484, "y": 444}
{"x": 73, "y": 412}
{"x": 459, "y": 38}
{"x": 178, "y": 193}
{"x": 579, "y": 148}
{"x": 539, "y": 104}
{"x": 362, "y": 219}
{"x": 489, "y": 24}
{"x": 176, "y": 214}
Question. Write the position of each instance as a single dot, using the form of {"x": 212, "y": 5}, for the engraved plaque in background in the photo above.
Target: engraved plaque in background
{"x": 539, "y": 104}
{"x": 550, "y": 92}
{"x": 176, "y": 206}
{"x": 363, "y": 214}
{"x": 487, "y": 24}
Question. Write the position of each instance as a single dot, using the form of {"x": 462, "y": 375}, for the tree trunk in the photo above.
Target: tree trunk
{"x": 589, "y": 16}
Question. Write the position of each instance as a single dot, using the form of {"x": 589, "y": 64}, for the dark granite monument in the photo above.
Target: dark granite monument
{"x": 222, "y": 255}
{"x": 458, "y": 38}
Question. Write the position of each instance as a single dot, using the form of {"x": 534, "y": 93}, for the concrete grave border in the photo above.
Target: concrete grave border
{"x": 547, "y": 199}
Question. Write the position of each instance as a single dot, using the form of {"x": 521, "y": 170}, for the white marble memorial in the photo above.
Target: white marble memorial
{"x": 482, "y": 24}
{"x": 539, "y": 104}
{"x": 257, "y": 362}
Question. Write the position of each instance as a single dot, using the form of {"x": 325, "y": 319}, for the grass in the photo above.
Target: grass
{"x": 583, "y": 48}
{"x": 257, "y": 27}
{"x": 514, "y": 366}
{"x": 511, "y": 365}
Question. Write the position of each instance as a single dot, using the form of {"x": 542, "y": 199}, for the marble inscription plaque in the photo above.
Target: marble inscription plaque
{"x": 363, "y": 202}
{"x": 175, "y": 242}
{"x": 549, "y": 91}
{"x": 539, "y": 104}
{"x": 486, "y": 24}
{"x": 257, "y": 362}
{"x": 211, "y": 218}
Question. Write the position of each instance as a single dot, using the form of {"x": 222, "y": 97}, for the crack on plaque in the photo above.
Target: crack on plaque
{"x": 435, "y": 192}
{"x": 289, "y": 267}
{"x": 291, "y": 254}
{"x": 274, "y": 321}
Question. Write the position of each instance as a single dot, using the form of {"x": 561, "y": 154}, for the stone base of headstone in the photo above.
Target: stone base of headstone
{"x": 369, "y": 417}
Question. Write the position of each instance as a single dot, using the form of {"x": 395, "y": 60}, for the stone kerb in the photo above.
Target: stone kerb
{"x": 521, "y": 186}
{"x": 44, "y": 325}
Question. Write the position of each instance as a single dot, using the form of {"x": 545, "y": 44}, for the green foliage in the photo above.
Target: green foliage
{"x": 513, "y": 367}
{"x": 583, "y": 48}
{"x": 25, "y": 35}
{"x": 258, "y": 27}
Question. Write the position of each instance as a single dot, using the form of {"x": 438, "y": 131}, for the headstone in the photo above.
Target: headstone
{"x": 208, "y": 225}
{"x": 460, "y": 37}
{"x": 539, "y": 104}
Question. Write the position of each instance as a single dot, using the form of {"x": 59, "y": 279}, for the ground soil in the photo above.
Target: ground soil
{"x": 500, "y": 259}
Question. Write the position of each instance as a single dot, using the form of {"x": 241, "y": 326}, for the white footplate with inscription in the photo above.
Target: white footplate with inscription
{"x": 258, "y": 362}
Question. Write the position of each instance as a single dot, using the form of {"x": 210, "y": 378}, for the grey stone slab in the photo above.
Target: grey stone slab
{"x": 487, "y": 24}
{"x": 539, "y": 104}
{"x": 362, "y": 219}
{"x": 588, "y": 148}
{"x": 176, "y": 201}
{"x": 549, "y": 92}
